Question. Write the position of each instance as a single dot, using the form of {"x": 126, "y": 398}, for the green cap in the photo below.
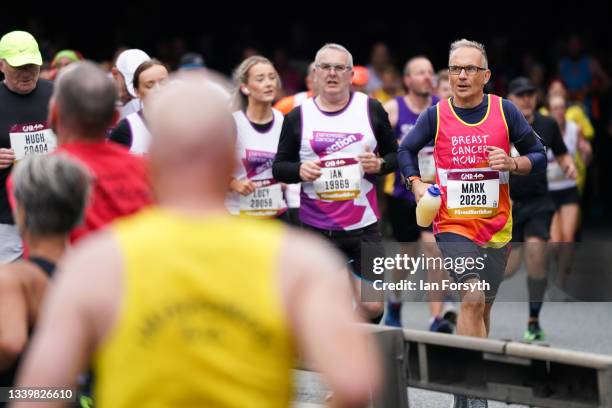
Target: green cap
{"x": 70, "y": 54}
{"x": 20, "y": 48}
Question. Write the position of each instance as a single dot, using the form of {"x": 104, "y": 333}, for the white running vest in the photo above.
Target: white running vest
{"x": 141, "y": 137}
{"x": 342, "y": 198}
{"x": 255, "y": 153}
{"x": 132, "y": 106}
{"x": 554, "y": 173}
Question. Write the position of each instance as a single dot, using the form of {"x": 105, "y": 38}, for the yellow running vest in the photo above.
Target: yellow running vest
{"x": 201, "y": 322}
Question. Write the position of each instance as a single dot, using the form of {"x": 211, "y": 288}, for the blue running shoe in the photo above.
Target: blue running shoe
{"x": 441, "y": 325}
{"x": 393, "y": 315}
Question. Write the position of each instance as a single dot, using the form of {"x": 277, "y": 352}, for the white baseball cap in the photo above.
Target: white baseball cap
{"x": 127, "y": 62}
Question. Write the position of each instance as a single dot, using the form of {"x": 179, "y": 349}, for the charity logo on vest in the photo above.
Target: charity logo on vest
{"x": 257, "y": 161}
{"x": 326, "y": 143}
{"x": 472, "y": 193}
{"x": 32, "y": 138}
{"x": 469, "y": 150}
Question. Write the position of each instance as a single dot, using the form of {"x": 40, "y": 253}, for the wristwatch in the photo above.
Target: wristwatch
{"x": 409, "y": 180}
{"x": 383, "y": 165}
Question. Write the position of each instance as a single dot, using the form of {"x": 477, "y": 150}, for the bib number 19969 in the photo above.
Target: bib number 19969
{"x": 340, "y": 180}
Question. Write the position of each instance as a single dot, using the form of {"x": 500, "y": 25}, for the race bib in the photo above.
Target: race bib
{"x": 340, "y": 180}
{"x": 472, "y": 194}
{"x": 32, "y": 139}
{"x": 266, "y": 201}
{"x": 427, "y": 164}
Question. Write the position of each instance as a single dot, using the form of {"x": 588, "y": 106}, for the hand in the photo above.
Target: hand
{"x": 244, "y": 187}
{"x": 419, "y": 188}
{"x": 310, "y": 171}
{"x": 570, "y": 171}
{"x": 7, "y": 157}
{"x": 369, "y": 161}
{"x": 499, "y": 160}
{"x": 585, "y": 150}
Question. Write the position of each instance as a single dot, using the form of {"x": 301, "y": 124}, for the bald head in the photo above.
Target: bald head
{"x": 189, "y": 115}
{"x": 85, "y": 99}
{"x": 193, "y": 136}
{"x": 415, "y": 62}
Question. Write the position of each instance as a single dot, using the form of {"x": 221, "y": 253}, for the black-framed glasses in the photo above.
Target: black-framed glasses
{"x": 469, "y": 69}
{"x": 340, "y": 68}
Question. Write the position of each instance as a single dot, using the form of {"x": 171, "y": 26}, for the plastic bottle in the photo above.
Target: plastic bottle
{"x": 428, "y": 206}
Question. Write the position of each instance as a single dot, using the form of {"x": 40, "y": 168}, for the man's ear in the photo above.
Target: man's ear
{"x": 53, "y": 114}
{"x": 487, "y": 76}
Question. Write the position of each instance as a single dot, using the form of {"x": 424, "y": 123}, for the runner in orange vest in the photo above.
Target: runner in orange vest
{"x": 472, "y": 132}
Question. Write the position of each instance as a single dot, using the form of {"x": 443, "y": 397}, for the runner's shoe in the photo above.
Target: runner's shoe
{"x": 534, "y": 332}
{"x": 441, "y": 325}
{"x": 394, "y": 314}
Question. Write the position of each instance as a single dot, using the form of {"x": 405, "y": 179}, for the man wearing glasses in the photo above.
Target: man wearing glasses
{"x": 472, "y": 133}
{"x": 336, "y": 144}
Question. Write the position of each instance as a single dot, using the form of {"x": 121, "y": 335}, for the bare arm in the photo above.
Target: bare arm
{"x": 566, "y": 162}
{"x": 392, "y": 109}
{"x": 522, "y": 165}
{"x": 584, "y": 148}
{"x": 317, "y": 294}
{"x": 76, "y": 315}
{"x": 13, "y": 318}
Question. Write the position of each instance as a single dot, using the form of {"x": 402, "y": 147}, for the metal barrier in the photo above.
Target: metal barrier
{"x": 498, "y": 370}
{"x": 507, "y": 371}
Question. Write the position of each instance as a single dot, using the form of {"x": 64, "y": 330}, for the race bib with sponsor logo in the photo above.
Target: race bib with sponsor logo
{"x": 340, "y": 180}
{"x": 32, "y": 139}
{"x": 427, "y": 164}
{"x": 266, "y": 201}
{"x": 472, "y": 194}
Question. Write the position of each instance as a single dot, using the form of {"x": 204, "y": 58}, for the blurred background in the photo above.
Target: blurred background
{"x": 381, "y": 36}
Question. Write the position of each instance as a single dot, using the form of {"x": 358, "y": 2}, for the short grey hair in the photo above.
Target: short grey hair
{"x": 463, "y": 43}
{"x": 85, "y": 97}
{"x": 337, "y": 47}
{"x": 52, "y": 191}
